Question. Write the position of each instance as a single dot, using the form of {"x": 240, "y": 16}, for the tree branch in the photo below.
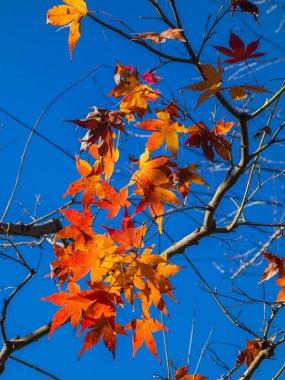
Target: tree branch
{"x": 17, "y": 343}
{"x": 32, "y": 230}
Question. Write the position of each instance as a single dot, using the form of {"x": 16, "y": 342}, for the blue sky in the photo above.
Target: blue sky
{"x": 35, "y": 68}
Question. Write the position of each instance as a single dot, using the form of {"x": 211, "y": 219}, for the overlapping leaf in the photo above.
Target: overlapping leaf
{"x": 165, "y": 129}
{"x": 135, "y": 95}
{"x": 277, "y": 265}
{"x": 202, "y": 137}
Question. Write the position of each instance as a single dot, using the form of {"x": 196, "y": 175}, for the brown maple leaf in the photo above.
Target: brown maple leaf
{"x": 158, "y": 38}
{"x": 202, "y": 137}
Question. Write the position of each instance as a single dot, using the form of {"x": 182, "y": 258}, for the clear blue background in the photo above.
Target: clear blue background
{"x": 34, "y": 68}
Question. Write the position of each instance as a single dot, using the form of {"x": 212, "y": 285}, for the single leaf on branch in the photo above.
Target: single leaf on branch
{"x": 211, "y": 84}
{"x": 90, "y": 184}
{"x": 238, "y": 51}
{"x": 71, "y": 16}
{"x": 158, "y": 38}
{"x": 242, "y": 91}
{"x": 143, "y": 334}
{"x": 106, "y": 329}
{"x": 253, "y": 348}
{"x": 245, "y": 6}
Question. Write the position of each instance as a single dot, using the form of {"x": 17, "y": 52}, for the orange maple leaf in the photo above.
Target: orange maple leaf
{"x": 165, "y": 130}
{"x": 113, "y": 200}
{"x": 106, "y": 329}
{"x": 211, "y": 84}
{"x": 136, "y": 95}
{"x": 71, "y": 309}
{"x": 152, "y": 183}
{"x": 129, "y": 238}
{"x": 155, "y": 197}
{"x": 181, "y": 374}
{"x": 277, "y": 265}
{"x": 90, "y": 184}
{"x": 143, "y": 333}
{"x": 247, "y": 356}
{"x": 70, "y": 15}
{"x": 242, "y": 91}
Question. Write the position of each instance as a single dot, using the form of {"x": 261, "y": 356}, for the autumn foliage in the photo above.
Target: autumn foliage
{"x": 104, "y": 268}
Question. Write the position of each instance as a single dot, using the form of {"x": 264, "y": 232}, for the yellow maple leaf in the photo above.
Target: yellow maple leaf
{"x": 69, "y": 15}
{"x": 165, "y": 129}
{"x": 211, "y": 84}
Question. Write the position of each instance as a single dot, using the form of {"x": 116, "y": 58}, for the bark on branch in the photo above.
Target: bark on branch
{"x": 18, "y": 343}
{"x": 32, "y": 230}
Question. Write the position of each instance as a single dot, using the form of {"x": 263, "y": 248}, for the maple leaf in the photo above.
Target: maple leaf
{"x": 71, "y": 309}
{"x": 90, "y": 184}
{"x": 113, "y": 200}
{"x": 90, "y": 258}
{"x": 155, "y": 196}
{"x": 211, "y": 84}
{"x": 70, "y": 15}
{"x": 183, "y": 177}
{"x": 245, "y": 6}
{"x": 136, "y": 95}
{"x": 106, "y": 329}
{"x": 150, "y": 77}
{"x": 181, "y": 374}
{"x": 153, "y": 183}
{"x": 202, "y": 137}
{"x": 99, "y": 123}
{"x": 157, "y": 38}
{"x": 239, "y": 92}
{"x": 253, "y": 347}
{"x": 238, "y": 51}
{"x": 143, "y": 334}
{"x": 152, "y": 171}
{"x": 277, "y": 265}
{"x": 129, "y": 237}
{"x": 166, "y": 129}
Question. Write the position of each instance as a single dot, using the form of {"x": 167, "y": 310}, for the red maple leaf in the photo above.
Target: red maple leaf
{"x": 238, "y": 51}
{"x": 245, "y": 6}
{"x": 202, "y": 137}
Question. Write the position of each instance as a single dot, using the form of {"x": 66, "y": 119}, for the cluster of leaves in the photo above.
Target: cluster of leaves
{"x": 120, "y": 270}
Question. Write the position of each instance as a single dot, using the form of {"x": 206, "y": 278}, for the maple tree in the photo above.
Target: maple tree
{"x": 152, "y": 157}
